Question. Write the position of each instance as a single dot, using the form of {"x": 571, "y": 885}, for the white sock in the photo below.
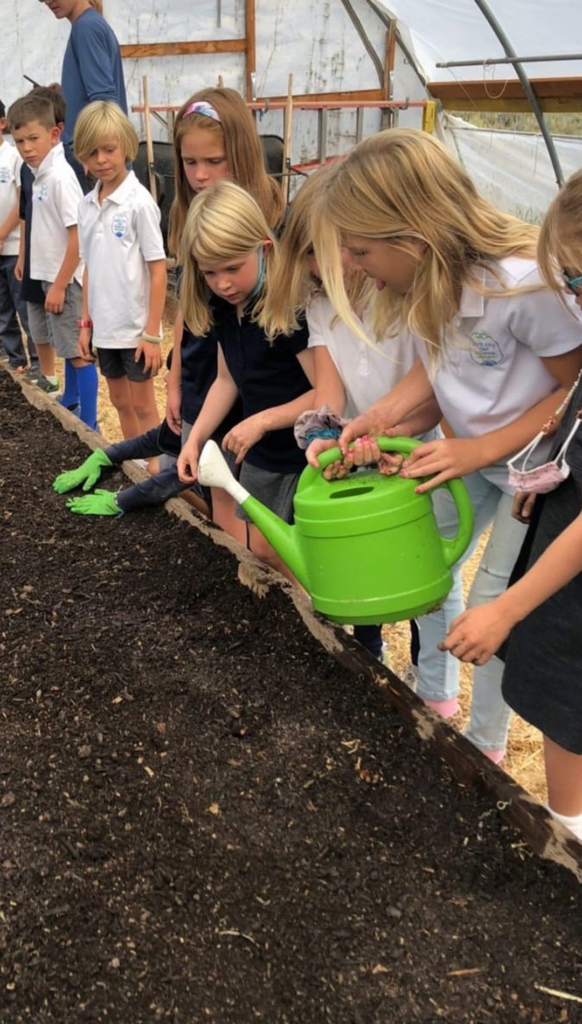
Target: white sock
{"x": 52, "y": 380}
{"x": 574, "y": 823}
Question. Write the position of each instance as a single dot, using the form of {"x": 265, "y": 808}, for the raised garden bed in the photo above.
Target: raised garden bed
{"x": 204, "y": 817}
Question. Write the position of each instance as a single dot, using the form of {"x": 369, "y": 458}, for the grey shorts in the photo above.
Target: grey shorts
{"x": 63, "y": 330}
{"x": 38, "y": 323}
{"x": 120, "y": 362}
{"x": 275, "y": 490}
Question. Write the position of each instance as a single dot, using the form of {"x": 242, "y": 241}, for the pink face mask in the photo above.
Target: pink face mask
{"x": 542, "y": 479}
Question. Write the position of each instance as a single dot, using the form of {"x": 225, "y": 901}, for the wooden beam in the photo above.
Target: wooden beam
{"x": 251, "y": 47}
{"x": 183, "y": 49}
{"x": 555, "y": 95}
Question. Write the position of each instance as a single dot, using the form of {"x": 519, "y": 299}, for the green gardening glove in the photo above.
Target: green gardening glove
{"x": 87, "y": 474}
{"x": 100, "y": 503}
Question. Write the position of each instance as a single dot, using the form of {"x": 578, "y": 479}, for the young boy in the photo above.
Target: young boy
{"x": 11, "y": 302}
{"x": 124, "y": 284}
{"x": 31, "y": 291}
{"x": 54, "y": 248}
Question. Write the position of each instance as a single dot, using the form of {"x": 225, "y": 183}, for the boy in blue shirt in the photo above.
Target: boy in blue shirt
{"x": 92, "y": 69}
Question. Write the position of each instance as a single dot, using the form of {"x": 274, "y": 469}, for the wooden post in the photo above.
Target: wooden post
{"x": 149, "y": 141}
{"x": 389, "y": 116}
{"x": 251, "y": 47}
{"x": 288, "y": 128}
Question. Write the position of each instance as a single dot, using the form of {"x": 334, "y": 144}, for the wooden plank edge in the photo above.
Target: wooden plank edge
{"x": 547, "y": 837}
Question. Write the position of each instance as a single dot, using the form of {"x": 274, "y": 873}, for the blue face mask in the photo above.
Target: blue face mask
{"x": 257, "y": 290}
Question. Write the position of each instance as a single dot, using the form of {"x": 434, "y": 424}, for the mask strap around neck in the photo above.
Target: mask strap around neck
{"x": 260, "y": 283}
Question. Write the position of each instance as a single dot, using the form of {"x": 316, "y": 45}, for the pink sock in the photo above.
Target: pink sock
{"x": 495, "y": 755}
{"x": 444, "y": 708}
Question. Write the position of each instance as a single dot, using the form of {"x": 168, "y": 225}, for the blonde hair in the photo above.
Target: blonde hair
{"x": 402, "y": 186}
{"x": 244, "y": 156}
{"x": 293, "y": 285}
{"x": 560, "y": 240}
{"x": 224, "y": 223}
{"x": 99, "y": 121}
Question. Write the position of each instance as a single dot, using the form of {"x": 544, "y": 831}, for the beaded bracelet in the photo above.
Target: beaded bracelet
{"x": 154, "y": 339}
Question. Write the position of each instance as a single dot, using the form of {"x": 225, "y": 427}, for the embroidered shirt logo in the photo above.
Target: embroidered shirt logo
{"x": 485, "y": 350}
{"x": 42, "y": 193}
{"x": 119, "y": 225}
{"x": 5, "y": 176}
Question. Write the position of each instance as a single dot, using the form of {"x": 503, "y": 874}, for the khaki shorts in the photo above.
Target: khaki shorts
{"x": 63, "y": 330}
{"x": 37, "y": 323}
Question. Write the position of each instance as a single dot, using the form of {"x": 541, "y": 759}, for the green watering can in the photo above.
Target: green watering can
{"x": 366, "y": 548}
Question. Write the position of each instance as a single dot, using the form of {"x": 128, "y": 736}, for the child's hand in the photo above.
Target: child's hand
{"x": 188, "y": 462}
{"x": 478, "y": 633}
{"x": 446, "y": 459}
{"x": 523, "y": 503}
{"x": 319, "y": 445}
{"x": 370, "y": 423}
{"x": 18, "y": 269}
{"x": 152, "y": 355}
{"x": 84, "y": 345}
{"x": 174, "y": 409}
{"x": 55, "y": 299}
{"x": 87, "y": 474}
{"x": 243, "y": 436}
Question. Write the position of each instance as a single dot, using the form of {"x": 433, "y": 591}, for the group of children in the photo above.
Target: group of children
{"x": 394, "y": 300}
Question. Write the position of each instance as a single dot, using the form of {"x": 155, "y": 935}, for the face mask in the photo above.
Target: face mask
{"x": 546, "y": 478}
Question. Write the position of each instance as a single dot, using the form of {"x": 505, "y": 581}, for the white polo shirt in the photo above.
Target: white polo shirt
{"x": 491, "y": 372}
{"x": 118, "y": 238}
{"x": 10, "y": 164}
{"x": 368, "y": 371}
{"x": 56, "y": 195}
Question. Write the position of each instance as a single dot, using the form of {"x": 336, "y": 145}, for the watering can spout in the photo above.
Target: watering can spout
{"x": 213, "y": 471}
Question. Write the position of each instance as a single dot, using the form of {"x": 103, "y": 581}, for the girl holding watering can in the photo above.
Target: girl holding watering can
{"x": 494, "y": 345}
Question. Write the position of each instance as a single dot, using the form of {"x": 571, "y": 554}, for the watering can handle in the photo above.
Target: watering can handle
{"x": 453, "y": 547}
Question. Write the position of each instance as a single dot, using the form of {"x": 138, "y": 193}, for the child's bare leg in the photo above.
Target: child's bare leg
{"x": 263, "y": 550}
{"x": 46, "y": 358}
{"x": 224, "y": 515}
{"x": 564, "y": 778}
{"x": 143, "y": 400}
{"x": 120, "y": 396}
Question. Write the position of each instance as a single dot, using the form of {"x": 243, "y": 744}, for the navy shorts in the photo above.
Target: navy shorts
{"x": 120, "y": 362}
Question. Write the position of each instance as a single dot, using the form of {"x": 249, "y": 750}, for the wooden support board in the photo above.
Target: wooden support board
{"x": 544, "y": 835}
{"x": 183, "y": 49}
{"x": 555, "y": 95}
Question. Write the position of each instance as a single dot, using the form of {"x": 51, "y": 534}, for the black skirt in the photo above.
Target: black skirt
{"x": 543, "y": 657}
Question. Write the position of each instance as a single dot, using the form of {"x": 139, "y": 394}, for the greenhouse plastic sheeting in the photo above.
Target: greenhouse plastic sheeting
{"x": 317, "y": 42}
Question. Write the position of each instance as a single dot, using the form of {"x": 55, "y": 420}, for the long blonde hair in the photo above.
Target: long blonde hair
{"x": 244, "y": 156}
{"x": 403, "y": 186}
{"x": 560, "y": 240}
{"x": 224, "y": 223}
{"x": 293, "y": 285}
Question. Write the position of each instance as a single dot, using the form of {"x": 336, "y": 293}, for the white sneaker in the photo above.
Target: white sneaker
{"x": 411, "y": 677}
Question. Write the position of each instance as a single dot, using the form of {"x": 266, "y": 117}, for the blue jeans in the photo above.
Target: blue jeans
{"x": 438, "y": 670}
{"x": 156, "y": 489}
{"x": 10, "y": 305}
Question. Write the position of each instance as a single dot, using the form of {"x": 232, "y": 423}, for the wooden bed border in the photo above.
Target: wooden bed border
{"x": 548, "y": 838}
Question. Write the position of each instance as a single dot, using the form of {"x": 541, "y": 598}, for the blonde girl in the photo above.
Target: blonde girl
{"x": 542, "y": 610}
{"x": 494, "y": 345}
{"x": 215, "y": 138}
{"x": 228, "y": 255}
{"x": 349, "y": 373}
{"x": 124, "y": 283}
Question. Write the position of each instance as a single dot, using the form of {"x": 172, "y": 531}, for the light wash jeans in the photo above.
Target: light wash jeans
{"x": 438, "y": 670}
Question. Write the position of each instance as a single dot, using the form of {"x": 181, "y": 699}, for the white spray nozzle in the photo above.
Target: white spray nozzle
{"x": 213, "y": 471}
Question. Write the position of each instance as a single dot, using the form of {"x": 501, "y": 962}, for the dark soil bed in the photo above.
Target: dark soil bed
{"x": 204, "y": 818}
